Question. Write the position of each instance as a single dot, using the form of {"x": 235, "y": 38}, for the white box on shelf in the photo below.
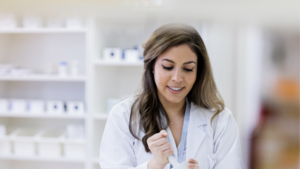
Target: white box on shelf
{"x": 2, "y": 130}
{"x": 49, "y": 143}
{"x": 36, "y": 106}
{"x": 112, "y": 54}
{"x": 75, "y": 131}
{"x": 5, "y": 69}
{"x": 8, "y": 20}
{"x": 74, "y": 148}
{"x": 63, "y": 69}
{"x": 32, "y": 21}
{"x": 55, "y": 22}
{"x": 4, "y": 103}
{"x": 74, "y": 68}
{"x": 18, "y": 105}
{"x": 55, "y": 107}
{"x": 24, "y": 142}
{"x": 131, "y": 56}
{"x": 74, "y": 107}
{"x": 74, "y": 22}
{"x": 5, "y": 145}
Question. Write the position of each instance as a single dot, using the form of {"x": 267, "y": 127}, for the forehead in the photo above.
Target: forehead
{"x": 179, "y": 54}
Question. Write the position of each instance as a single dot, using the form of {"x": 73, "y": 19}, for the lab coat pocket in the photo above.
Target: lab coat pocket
{"x": 210, "y": 161}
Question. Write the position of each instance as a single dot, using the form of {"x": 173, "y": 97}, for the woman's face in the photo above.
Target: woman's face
{"x": 175, "y": 73}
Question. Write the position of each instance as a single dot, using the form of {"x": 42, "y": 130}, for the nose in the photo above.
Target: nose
{"x": 177, "y": 76}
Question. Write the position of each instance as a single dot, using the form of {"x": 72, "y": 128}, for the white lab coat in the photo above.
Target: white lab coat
{"x": 120, "y": 150}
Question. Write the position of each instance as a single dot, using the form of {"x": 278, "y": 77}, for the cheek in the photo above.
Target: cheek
{"x": 161, "y": 78}
{"x": 190, "y": 79}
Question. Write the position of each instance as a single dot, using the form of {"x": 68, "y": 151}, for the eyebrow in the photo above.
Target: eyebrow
{"x": 174, "y": 62}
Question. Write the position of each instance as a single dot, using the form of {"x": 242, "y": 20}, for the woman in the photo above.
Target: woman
{"x": 178, "y": 112}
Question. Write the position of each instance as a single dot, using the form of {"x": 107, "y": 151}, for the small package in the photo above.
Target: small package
{"x": 55, "y": 22}
{"x": 49, "y": 143}
{"x": 4, "y": 105}
{"x": 75, "y": 131}
{"x": 36, "y": 106}
{"x": 75, "y": 107}
{"x": 74, "y": 145}
{"x": 74, "y": 22}
{"x": 2, "y": 130}
{"x": 112, "y": 54}
{"x": 5, "y": 144}
{"x": 74, "y": 68}
{"x": 74, "y": 148}
{"x": 63, "y": 69}
{"x": 18, "y": 106}
{"x": 55, "y": 107}
{"x": 131, "y": 56}
{"x": 32, "y": 21}
{"x": 24, "y": 142}
{"x": 8, "y": 20}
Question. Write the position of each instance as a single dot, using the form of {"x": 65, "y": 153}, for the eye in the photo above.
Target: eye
{"x": 188, "y": 70}
{"x": 167, "y": 68}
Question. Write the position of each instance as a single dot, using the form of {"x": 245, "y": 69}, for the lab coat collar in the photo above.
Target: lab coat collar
{"x": 195, "y": 135}
{"x": 197, "y": 116}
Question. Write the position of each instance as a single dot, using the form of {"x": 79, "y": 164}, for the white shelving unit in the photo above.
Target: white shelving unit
{"x": 39, "y": 49}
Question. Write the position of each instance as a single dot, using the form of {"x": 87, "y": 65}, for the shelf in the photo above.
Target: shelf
{"x": 109, "y": 63}
{"x": 100, "y": 116}
{"x": 32, "y": 115}
{"x": 37, "y": 158}
{"x": 41, "y": 30}
{"x": 43, "y": 78}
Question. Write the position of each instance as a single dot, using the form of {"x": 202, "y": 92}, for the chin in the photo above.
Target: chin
{"x": 175, "y": 99}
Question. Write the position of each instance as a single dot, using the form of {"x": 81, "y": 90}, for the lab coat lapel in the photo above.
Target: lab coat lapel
{"x": 195, "y": 135}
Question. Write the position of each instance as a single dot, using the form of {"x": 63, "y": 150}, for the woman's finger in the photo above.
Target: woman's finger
{"x": 192, "y": 166}
{"x": 160, "y": 141}
{"x": 161, "y": 134}
{"x": 164, "y": 147}
{"x": 193, "y": 161}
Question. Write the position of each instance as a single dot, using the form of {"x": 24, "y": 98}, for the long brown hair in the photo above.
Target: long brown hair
{"x": 145, "y": 112}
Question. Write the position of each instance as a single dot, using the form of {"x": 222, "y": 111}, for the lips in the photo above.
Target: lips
{"x": 175, "y": 90}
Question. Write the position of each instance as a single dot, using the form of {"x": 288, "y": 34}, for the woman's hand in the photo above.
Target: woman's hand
{"x": 160, "y": 148}
{"x": 192, "y": 164}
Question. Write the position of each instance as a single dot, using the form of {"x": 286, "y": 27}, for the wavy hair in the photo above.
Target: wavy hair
{"x": 145, "y": 112}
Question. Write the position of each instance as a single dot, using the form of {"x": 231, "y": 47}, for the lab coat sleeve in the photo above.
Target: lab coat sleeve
{"x": 227, "y": 143}
{"x": 116, "y": 148}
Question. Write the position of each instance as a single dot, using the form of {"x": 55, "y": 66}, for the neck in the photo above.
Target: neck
{"x": 173, "y": 109}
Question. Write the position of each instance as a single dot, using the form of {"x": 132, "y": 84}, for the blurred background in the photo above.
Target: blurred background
{"x": 64, "y": 64}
